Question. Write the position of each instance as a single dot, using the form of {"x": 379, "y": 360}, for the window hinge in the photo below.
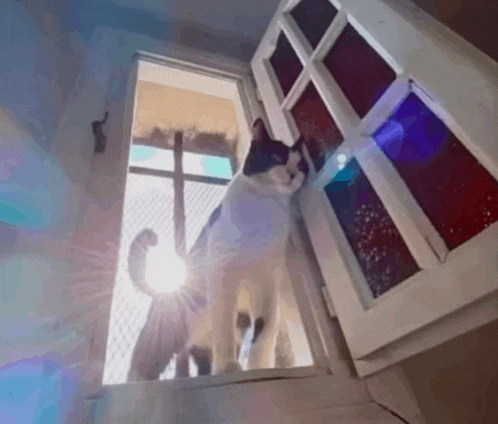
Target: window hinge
{"x": 328, "y": 302}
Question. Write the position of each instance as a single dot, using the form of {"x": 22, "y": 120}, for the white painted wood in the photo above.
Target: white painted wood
{"x": 391, "y": 389}
{"x": 296, "y": 38}
{"x": 473, "y": 316}
{"x": 463, "y": 93}
{"x": 285, "y": 400}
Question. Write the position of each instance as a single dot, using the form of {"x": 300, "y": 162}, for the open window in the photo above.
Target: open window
{"x": 208, "y": 111}
{"x": 402, "y": 207}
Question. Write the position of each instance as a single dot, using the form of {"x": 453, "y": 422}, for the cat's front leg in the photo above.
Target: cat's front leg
{"x": 262, "y": 354}
{"x": 223, "y": 293}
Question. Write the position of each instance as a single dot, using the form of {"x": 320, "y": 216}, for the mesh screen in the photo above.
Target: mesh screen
{"x": 200, "y": 200}
{"x": 148, "y": 203}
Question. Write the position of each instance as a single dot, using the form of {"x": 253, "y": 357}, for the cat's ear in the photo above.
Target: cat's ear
{"x": 259, "y": 132}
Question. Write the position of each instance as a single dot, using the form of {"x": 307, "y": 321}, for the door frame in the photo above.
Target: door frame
{"x": 248, "y": 109}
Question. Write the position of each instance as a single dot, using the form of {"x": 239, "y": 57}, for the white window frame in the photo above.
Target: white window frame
{"x": 151, "y": 67}
{"x": 437, "y": 303}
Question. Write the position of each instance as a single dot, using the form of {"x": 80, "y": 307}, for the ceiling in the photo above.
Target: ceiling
{"x": 231, "y": 27}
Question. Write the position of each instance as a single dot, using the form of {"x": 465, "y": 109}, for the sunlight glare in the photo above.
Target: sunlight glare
{"x": 165, "y": 271}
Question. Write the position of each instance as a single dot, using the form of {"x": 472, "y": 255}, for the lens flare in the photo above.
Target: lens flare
{"x": 165, "y": 271}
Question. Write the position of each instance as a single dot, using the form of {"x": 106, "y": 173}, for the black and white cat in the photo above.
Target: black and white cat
{"x": 246, "y": 249}
{"x": 236, "y": 268}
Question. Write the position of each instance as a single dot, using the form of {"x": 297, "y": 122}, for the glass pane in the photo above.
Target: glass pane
{"x": 321, "y": 135}
{"x": 152, "y": 158}
{"x": 381, "y": 252}
{"x": 193, "y": 163}
{"x": 209, "y": 166}
{"x": 359, "y": 71}
{"x": 200, "y": 201}
{"x": 285, "y": 63}
{"x": 457, "y": 194}
{"x": 313, "y": 18}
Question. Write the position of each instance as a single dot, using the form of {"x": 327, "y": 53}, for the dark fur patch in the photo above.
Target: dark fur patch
{"x": 266, "y": 153}
{"x": 258, "y": 328}
{"x": 243, "y": 320}
{"x": 202, "y": 358}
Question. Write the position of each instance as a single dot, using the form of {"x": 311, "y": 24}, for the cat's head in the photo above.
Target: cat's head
{"x": 273, "y": 160}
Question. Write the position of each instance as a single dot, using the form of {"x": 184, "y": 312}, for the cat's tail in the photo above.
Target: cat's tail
{"x": 165, "y": 333}
{"x": 192, "y": 292}
{"x": 137, "y": 260}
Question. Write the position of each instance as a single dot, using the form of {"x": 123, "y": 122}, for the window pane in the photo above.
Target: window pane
{"x": 458, "y": 195}
{"x": 285, "y": 63}
{"x": 359, "y": 71}
{"x": 381, "y": 252}
{"x": 200, "y": 201}
{"x": 193, "y": 163}
{"x": 209, "y": 166}
{"x": 152, "y": 158}
{"x": 313, "y": 18}
{"x": 321, "y": 135}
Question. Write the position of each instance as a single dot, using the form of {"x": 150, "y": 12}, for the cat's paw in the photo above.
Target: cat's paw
{"x": 232, "y": 366}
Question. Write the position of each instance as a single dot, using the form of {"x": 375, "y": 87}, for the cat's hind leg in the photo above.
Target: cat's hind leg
{"x": 223, "y": 298}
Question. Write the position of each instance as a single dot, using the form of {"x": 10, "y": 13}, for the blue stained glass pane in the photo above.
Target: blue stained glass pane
{"x": 458, "y": 195}
{"x": 412, "y": 133}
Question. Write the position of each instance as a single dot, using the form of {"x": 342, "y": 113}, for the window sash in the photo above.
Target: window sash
{"x": 467, "y": 110}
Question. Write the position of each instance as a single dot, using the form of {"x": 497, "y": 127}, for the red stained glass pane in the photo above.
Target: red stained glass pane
{"x": 321, "y": 135}
{"x": 313, "y": 18}
{"x": 285, "y": 63}
{"x": 455, "y": 191}
{"x": 381, "y": 252}
{"x": 360, "y": 72}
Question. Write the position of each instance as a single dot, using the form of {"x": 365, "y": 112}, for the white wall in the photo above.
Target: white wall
{"x": 54, "y": 86}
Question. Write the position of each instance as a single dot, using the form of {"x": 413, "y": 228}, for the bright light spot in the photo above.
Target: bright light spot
{"x": 193, "y": 163}
{"x": 165, "y": 271}
{"x": 210, "y": 166}
{"x": 152, "y": 157}
{"x": 140, "y": 153}
{"x": 341, "y": 161}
